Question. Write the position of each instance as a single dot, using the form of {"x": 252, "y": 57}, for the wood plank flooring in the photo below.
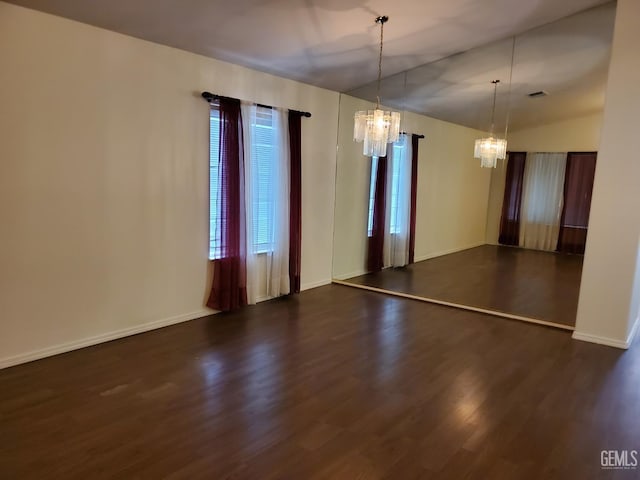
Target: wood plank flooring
{"x": 336, "y": 383}
{"x": 541, "y": 285}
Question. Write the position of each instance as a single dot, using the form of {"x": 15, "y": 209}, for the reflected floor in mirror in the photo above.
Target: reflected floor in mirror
{"x": 528, "y": 283}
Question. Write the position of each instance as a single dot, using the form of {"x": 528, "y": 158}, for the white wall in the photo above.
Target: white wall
{"x": 610, "y": 289}
{"x": 452, "y": 190}
{"x": 579, "y": 134}
{"x": 104, "y": 174}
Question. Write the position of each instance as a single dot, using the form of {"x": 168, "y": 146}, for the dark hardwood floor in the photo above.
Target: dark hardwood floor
{"x": 540, "y": 285}
{"x": 336, "y": 383}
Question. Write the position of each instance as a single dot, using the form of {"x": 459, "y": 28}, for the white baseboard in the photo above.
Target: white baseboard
{"x": 357, "y": 273}
{"x": 611, "y": 342}
{"x": 345, "y": 276}
{"x": 105, "y": 337}
{"x": 125, "y": 332}
{"x": 447, "y": 252}
{"x": 310, "y": 285}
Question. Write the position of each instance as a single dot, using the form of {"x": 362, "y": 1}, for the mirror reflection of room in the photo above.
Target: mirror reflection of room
{"x": 427, "y": 221}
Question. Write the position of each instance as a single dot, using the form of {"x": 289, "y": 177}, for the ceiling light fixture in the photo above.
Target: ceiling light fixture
{"x": 376, "y": 128}
{"x": 490, "y": 149}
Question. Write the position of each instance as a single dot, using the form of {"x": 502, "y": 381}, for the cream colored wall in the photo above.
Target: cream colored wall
{"x": 352, "y": 195}
{"x": 610, "y": 288}
{"x": 452, "y": 190}
{"x": 580, "y": 134}
{"x": 104, "y": 175}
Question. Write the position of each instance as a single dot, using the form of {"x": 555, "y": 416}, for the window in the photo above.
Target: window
{"x": 214, "y": 183}
{"x": 262, "y": 152}
{"x": 372, "y": 194}
{"x": 398, "y": 151}
{"x": 263, "y": 159}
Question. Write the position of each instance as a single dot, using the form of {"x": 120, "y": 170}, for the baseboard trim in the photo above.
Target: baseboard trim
{"x": 610, "y": 342}
{"x": 447, "y": 252}
{"x": 345, "y": 276}
{"x": 358, "y": 273}
{"x": 105, "y": 337}
{"x": 310, "y": 285}
{"x": 457, "y": 305}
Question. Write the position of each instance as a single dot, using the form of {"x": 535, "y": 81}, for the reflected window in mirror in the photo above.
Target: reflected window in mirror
{"x": 398, "y": 151}
{"x": 372, "y": 194}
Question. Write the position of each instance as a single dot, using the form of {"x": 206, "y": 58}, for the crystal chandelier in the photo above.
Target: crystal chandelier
{"x": 490, "y": 149}
{"x": 376, "y": 128}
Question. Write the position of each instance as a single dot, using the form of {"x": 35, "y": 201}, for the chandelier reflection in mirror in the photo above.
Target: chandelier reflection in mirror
{"x": 377, "y": 128}
{"x": 490, "y": 150}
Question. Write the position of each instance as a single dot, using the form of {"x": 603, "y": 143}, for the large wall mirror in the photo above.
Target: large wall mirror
{"x": 508, "y": 239}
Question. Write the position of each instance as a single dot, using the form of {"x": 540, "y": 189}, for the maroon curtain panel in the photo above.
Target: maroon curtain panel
{"x": 229, "y": 287}
{"x": 510, "y": 220}
{"x": 375, "y": 254}
{"x": 414, "y": 196}
{"x": 295, "y": 200}
{"x": 578, "y": 187}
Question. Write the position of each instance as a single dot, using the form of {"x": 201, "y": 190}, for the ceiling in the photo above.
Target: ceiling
{"x": 568, "y": 59}
{"x": 328, "y": 43}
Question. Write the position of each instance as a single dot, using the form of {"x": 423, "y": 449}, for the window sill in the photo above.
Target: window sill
{"x": 261, "y": 253}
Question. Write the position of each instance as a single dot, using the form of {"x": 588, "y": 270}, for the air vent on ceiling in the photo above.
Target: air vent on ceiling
{"x": 539, "y": 93}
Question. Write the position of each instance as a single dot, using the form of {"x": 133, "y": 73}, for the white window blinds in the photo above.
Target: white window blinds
{"x": 263, "y": 145}
{"x": 262, "y": 151}
{"x": 214, "y": 182}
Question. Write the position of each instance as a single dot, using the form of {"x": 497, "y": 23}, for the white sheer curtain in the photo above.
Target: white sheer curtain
{"x": 248, "y": 123}
{"x": 542, "y": 200}
{"x": 267, "y": 183}
{"x": 398, "y": 203}
{"x": 278, "y": 258}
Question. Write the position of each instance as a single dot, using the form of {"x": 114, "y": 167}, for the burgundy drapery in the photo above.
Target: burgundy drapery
{"x": 229, "y": 287}
{"x": 510, "y": 220}
{"x": 375, "y": 254}
{"x": 414, "y": 195}
{"x": 295, "y": 200}
{"x": 578, "y": 186}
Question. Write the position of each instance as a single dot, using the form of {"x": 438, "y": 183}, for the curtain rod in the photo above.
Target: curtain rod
{"x": 210, "y": 97}
{"x": 405, "y": 133}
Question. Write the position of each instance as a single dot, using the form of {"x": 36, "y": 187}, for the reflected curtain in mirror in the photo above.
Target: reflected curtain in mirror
{"x": 229, "y": 287}
{"x": 398, "y": 217}
{"x": 542, "y": 200}
{"x": 392, "y": 205}
{"x": 510, "y": 220}
{"x": 375, "y": 251}
{"x": 414, "y": 196}
{"x": 578, "y": 186}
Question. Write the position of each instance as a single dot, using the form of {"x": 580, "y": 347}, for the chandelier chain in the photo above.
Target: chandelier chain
{"x": 377, "y": 128}
{"x": 380, "y": 64}
{"x": 513, "y": 54}
{"x": 493, "y": 108}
